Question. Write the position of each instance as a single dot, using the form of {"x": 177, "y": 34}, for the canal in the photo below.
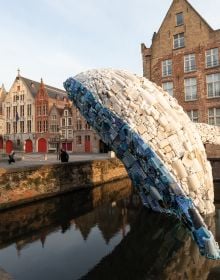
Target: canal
{"x": 103, "y": 233}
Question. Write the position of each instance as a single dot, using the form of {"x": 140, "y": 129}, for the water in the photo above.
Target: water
{"x": 100, "y": 234}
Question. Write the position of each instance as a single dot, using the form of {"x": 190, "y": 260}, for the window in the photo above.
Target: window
{"x": 69, "y": 121}
{"x": 167, "y": 68}
{"x": 79, "y": 125}
{"x": 29, "y": 126}
{"x": 179, "y": 19}
{"x": 22, "y": 110}
{"x": 168, "y": 86}
{"x": 190, "y": 89}
{"x": 63, "y": 133}
{"x": 8, "y": 128}
{"x": 193, "y": 115}
{"x": 45, "y": 126}
{"x": 212, "y": 57}
{"x": 22, "y": 126}
{"x": 54, "y": 128}
{"x": 189, "y": 63}
{"x": 14, "y": 111}
{"x": 44, "y": 109}
{"x": 178, "y": 40}
{"x": 213, "y": 85}
{"x": 70, "y": 133}
{"x": 87, "y": 138}
{"x": 29, "y": 109}
{"x": 65, "y": 113}
{"x": 78, "y": 140}
{"x": 63, "y": 122}
{"x": 54, "y": 117}
{"x": 39, "y": 110}
{"x": 14, "y": 127}
{"x": 8, "y": 112}
{"x": 39, "y": 126}
{"x": 18, "y": 88}
{"x": 214, "y": 116}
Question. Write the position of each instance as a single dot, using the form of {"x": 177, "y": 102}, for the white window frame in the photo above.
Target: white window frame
{"x": 189, "y": 62}
{"x": 213, "y": 85}
{"x": 178, "y": 41}
{"x": 70, "y": 134}
{"x": 168, "y": 87}
{"x": 167, "y": 68}
{"x": 212, "y": 58}
{"x": 190, "y": 89}
{"x": 193, "y": 115}
{"x": 214, "y": 116}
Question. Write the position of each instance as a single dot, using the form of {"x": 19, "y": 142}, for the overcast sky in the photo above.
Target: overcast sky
{"x": 56, "y": 39}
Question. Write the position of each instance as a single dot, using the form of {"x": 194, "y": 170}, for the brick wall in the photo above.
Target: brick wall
{"x": 20, "y": 185}
{"x": 199, "y": 37}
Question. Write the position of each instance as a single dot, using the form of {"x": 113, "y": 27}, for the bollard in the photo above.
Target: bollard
{"x": 111, "y": 154}
{"x": 45, "y": 156}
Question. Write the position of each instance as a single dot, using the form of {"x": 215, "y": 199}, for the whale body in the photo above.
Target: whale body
{"x": 160, "y": 147}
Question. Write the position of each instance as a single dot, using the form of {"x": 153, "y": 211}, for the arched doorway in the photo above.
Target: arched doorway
{"x": 28, "y": 146}
{"x": 9, "y": 146}
{"x": 42, "y": 145}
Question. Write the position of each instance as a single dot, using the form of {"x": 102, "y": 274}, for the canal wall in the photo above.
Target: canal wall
{"x": 30, "y": 183}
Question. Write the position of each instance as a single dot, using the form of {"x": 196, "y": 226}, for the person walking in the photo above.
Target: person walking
{"x": 64, "y": 157}
{"x": 11, "y": 157}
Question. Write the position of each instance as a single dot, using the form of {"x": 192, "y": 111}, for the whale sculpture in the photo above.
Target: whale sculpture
{"x": 158, "y": 144}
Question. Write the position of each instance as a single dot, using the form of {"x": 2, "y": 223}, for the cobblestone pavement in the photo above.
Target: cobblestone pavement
{"x": 39, "y": 159}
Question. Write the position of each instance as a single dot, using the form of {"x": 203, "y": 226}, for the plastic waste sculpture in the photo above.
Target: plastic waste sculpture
{"x": 158, "y": 144}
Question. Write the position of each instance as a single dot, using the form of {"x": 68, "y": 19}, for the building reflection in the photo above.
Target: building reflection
{"x": 156, "y": 247}
{"x": 153, "y": 246}
{"x": 84, "y": 209}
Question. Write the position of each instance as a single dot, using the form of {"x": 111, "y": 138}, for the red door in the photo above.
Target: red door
{"x": 28, "y": 146}
{"x": 9, "y": 146}
{"x": 87, "y": 144}
{"x": 67, "y": 146}
{"x": 42, "y": 145}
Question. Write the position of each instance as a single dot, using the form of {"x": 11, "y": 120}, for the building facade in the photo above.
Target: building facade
{"x": 40, "y": 118}
{"x": 2, "y": 119}
{"x": 184, "y": 59}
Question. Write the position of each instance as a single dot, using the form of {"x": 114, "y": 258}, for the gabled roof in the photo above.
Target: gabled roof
{"x": 58, "y": 109}
{"x": 34, "y": 86}
{"x": 187, "y": 2}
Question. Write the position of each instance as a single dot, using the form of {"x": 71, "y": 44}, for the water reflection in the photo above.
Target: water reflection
{"x": 100, "y": 234}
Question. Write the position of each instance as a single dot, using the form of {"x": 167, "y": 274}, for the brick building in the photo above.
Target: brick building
{"x": 2, "y": 119}
{"x": 184, "y": 59}
{"x": 40, "y": 118}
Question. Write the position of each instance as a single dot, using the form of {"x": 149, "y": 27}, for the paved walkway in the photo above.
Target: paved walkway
{"x": 39, "y": 159}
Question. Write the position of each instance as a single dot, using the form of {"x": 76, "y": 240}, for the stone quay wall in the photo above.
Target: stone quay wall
{"x": 26, "y": 184}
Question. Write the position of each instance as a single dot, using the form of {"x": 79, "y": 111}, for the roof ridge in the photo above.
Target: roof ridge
{"x": 47, "y": 86}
